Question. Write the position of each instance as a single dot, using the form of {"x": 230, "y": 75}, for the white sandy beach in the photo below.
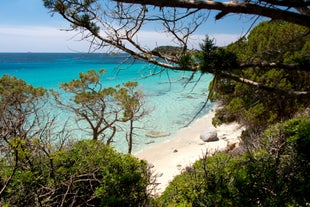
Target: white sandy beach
{"x": 171, "y": 157}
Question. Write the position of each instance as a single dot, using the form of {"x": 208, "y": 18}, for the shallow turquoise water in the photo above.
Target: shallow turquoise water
{"x": 171, "y": 103}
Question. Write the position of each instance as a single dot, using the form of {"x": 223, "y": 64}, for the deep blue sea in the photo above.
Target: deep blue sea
{"x": 170, "y": 99}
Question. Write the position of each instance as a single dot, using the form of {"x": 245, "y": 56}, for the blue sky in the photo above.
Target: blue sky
{"x": 26, "y": 26}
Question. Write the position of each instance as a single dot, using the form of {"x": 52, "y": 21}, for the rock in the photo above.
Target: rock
{"x": 150, "y": 142}
{"x": 209, "y": 135}
{"x": 155, "y": 134}
{"x": 179, "y": 166}
{"x": 158, "y": 175}
{"x": 224, "y": 138}
{"x": 150, "y": 165}
{"x": 230, "y": 147}
{"x": 189, "y": 169}
{"x": 237, "y": 151}
{"x": 175, "y": 150}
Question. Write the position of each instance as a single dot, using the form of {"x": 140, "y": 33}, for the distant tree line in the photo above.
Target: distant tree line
{"x": 169, "y": 50}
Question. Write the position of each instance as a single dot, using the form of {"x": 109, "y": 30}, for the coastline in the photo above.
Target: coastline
{"x": 171, "y": 157}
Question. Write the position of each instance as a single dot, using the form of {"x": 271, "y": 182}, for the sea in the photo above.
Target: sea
{"x": 172, "y": 98}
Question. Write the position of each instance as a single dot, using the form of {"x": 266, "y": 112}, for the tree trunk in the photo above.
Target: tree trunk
{"x": 95, "y": 135}
{"x": 130, "y": 138}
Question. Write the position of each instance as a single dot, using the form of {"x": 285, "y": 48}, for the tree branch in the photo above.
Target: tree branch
{"x": 288, "y": 3}
{"x": 121, "y": 28}
{"x": 290, "y": 93}
{"x": 292, "y": 67}
{"x": 230, "y": 7}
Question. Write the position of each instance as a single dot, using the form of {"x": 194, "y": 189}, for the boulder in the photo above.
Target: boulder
{"x": 209, "y": 135}
{"x": 150, "y": 165}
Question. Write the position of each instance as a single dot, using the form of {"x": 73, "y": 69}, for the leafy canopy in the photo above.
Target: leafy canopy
{"x": 248, "y": 103}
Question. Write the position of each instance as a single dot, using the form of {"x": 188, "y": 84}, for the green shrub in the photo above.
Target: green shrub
{"x": 276, "y": 175}
{"x": 87, "y": 174}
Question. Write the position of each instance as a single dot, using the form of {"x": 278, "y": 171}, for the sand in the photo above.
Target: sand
{"x": 185, "y": 147}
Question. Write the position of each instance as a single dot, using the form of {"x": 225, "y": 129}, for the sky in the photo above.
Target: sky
{"x": 26, "y": 26}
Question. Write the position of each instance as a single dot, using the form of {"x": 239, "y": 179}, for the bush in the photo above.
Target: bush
{"x": 276, "y": 175}
{"x": 87, "y": 174}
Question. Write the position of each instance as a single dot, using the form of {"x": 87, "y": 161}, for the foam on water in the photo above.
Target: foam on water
{"x": 171, "y": 104}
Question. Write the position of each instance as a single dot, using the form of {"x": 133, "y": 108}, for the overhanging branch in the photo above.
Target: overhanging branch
{"x": 290, "y": 67}
{"x": 229, "y": 7}
{"x": 288, "y": 3}
{"x": 290, "y": 93}
{"x": 126, "y": 33}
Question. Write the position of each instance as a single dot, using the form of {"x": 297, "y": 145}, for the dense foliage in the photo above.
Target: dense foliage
{"x": 20, "y": 105}
{"x": 276, "y": 43}
{"x": 88, "y": 173}
{"x": 276, "y": 175}
{"x": 274, "y": 170}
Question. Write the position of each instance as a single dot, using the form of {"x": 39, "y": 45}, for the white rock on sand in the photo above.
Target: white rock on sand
{"x": 185, "y": 147}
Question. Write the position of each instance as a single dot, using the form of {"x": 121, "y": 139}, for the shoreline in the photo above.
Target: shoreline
{"x": 171, "y": 157}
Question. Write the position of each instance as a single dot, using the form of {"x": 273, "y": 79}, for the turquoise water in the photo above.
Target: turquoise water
{"x": 170, "y": 99}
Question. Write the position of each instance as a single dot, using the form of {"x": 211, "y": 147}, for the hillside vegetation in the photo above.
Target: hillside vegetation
{"x": 271, "y": 168}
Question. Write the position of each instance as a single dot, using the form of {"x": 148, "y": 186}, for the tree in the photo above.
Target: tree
{"x": 103, "y": 109}
{"x": 19, "y": 108}
{"x": 277, "y": 161}
{"x": 39, "y": 166}
{"x": 26, "y": 127}
{"x": 256, "y": 108}
{"x": 21, "y": 118}
{"x": 132, "y": 103}
{"x": 117, "y": 23}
